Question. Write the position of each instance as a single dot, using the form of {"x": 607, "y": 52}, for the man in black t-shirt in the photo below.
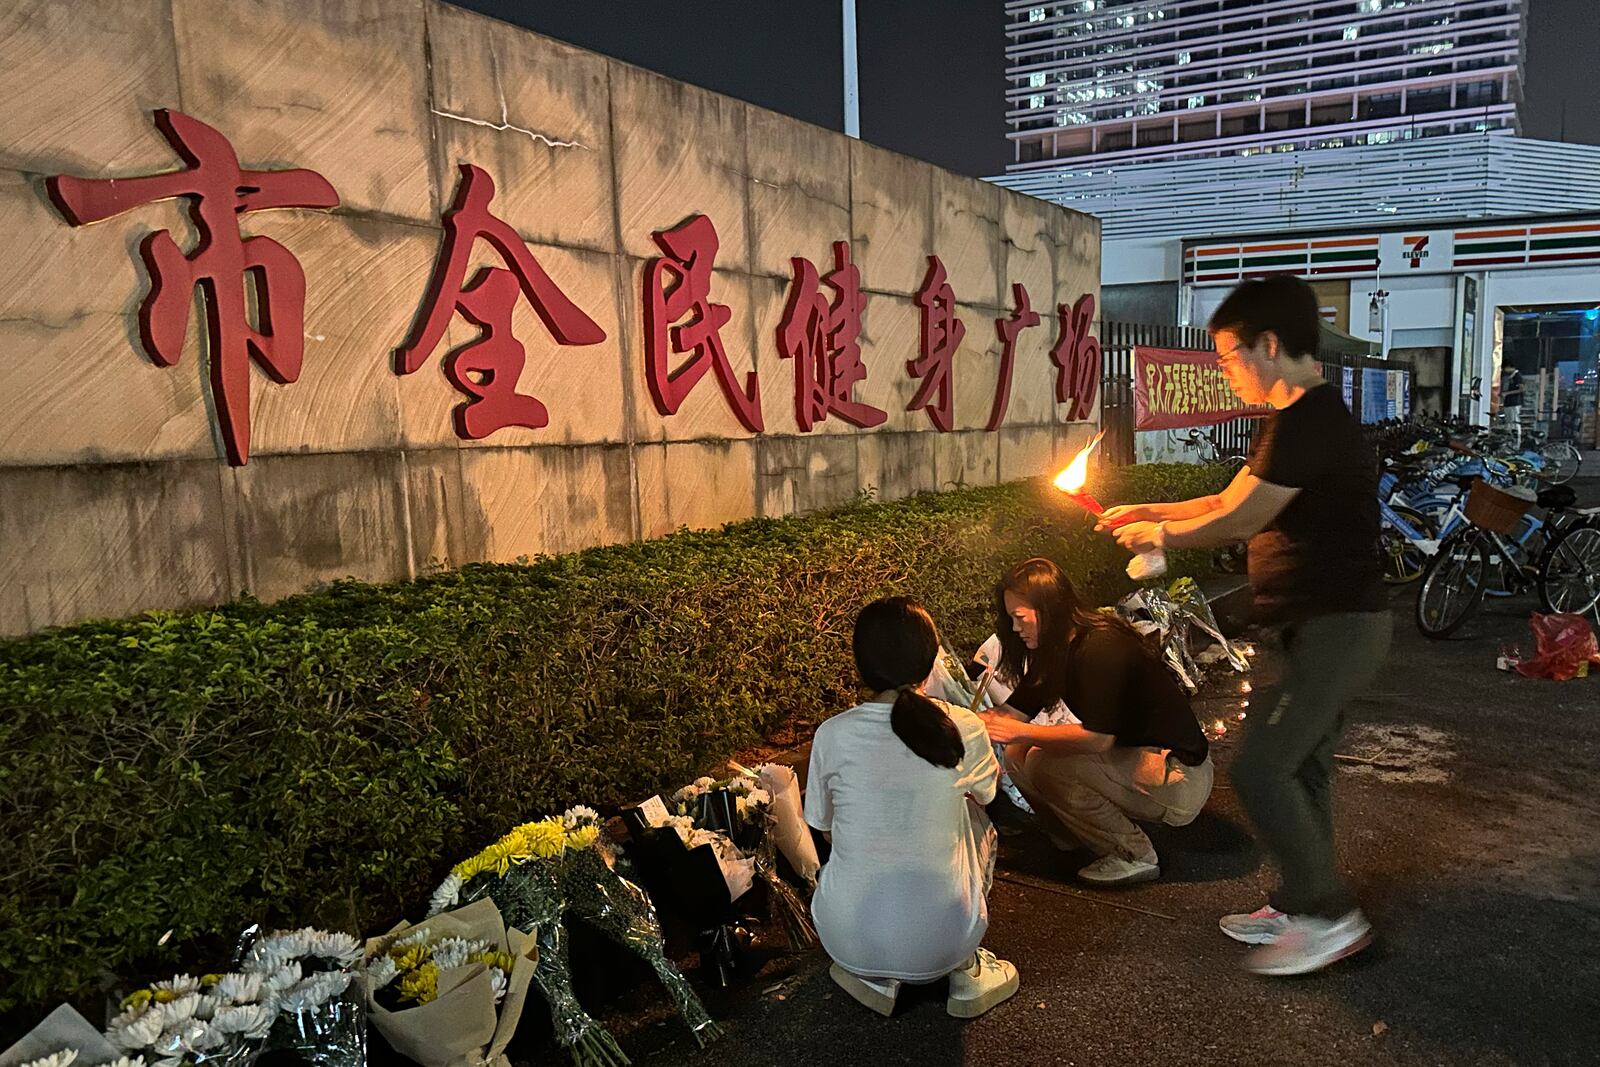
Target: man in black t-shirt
{"x": 1307, "y": 503}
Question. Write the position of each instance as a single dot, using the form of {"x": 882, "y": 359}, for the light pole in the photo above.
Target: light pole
{"x": 852, "y": 102}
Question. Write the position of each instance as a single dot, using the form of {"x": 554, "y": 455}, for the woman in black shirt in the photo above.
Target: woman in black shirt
{"x": 1136, "y": 750}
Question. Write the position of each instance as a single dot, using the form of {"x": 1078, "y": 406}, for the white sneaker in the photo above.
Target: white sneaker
{"x": 876, "y": 993}
{"x": 979, "y": 986}
{"x": 1260, "y": 927}
{"x": 1114, "y": 870}
{"x": 1308, "y": 944}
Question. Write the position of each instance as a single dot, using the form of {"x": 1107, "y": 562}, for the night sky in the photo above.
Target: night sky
{"x": 933, "y": 71}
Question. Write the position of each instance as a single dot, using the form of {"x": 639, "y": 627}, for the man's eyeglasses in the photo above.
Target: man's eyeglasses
{"x": 1230, "y": 356}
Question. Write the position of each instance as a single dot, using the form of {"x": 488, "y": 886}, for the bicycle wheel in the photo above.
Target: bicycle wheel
{"x": 1403, "y": 560}
{"x": 1453, "y": 583}
{"x": 1569, "y": 571}
{"x": 1564, "y": 459}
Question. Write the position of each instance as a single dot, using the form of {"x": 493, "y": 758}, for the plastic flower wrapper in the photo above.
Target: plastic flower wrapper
{"x": 1186, "y": 594}
{"x": 1165, "y": 618}
{"x": 449, "y": 991}
{"x": 992, "y": 691}
{"x": 538, "y": 892}
{"x": 307, "y": 978}
{"x": 786, "y": 825}
{"x": 209, "y": 1020}
{"x": 64, "y": 1038}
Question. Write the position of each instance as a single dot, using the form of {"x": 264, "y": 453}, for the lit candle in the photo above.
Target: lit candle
{"x": 1152, "y": 564}
{"x": 1072, "y": 479}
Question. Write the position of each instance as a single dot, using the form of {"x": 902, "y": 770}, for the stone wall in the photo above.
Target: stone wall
{"x": 115, "y": 494}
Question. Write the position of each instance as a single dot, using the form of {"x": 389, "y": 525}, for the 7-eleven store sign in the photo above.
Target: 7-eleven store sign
{"x": 1332, "y": 257}
{"x": 1527, "y": 246}
{"x": 1480, "y": 246}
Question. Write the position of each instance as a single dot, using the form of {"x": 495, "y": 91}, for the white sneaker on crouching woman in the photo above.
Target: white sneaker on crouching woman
{"x": 983, "y": 983}
{"x": 1308, "y": 943}
{"x": 876, "y": 993}
{"x": 1114, "y": 870}
{"x": 1260, "y": 927}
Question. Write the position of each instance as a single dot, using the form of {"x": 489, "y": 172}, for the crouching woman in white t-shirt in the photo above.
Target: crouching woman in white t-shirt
{"x": 897, "y": 785}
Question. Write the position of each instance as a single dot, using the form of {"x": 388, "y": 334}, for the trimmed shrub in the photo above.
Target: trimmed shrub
{"x": 325, "y": 758}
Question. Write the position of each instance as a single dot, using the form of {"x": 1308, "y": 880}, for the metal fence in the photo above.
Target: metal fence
{"x": 1232, "y": 438}
{"x": 1117, "y": 342}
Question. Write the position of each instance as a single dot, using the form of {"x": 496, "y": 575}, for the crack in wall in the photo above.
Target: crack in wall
{"x": 505, "y": 124}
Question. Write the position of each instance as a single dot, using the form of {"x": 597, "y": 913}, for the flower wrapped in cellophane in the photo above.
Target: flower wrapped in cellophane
{"x": 216, "y": 1020}
{"x": 1174, "y": 616}
{"x": 449, "y": 991}
{"x": 307, "y": 976}
{"x": 544, "y": 872}
{"x": 739, "y": 821}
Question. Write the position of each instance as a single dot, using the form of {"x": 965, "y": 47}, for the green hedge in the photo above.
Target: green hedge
{"x": 324, "y": 758}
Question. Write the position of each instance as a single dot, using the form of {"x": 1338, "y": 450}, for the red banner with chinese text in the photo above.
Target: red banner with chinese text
{"x": 1175, "y": 388}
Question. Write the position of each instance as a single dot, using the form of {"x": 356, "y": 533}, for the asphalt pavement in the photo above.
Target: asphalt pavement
{"x": 1468, "y": 810}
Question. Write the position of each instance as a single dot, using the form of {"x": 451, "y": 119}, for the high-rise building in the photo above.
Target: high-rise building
{"x": 1113, "y": 82}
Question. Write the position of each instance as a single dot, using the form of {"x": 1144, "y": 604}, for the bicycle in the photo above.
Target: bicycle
{"x": 1500, "y": 536}
{"x": 1569, "y": 572}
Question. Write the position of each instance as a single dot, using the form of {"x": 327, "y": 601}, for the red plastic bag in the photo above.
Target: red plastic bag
{"x": 1566, "y": 646}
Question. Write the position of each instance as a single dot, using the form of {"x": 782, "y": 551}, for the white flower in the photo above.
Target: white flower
{"x": 281, "y": 979}
{"x": 446, "y": 895}
{"x": 176, "y": 1012}
{"x": 202, "y": 1037}
{"x": 335, "y": 945}
{"x": 498, "y": 982}
{"x": 683, "y": 825}
{"x": 63, "y": 1058}
{"x": 209, "y": 1003}
{"x": 453, "y": 951}
{"x": 759, "y": 798}
{"x": 131, "y": 1013}
{"x": 239, "y": 988}
{"x": 314, "y": 992}
{"x": 703, "y": 784}
{"x": 272, "y": 952}
{"x": 580, "y": 815}
{"x": 178, "y": 985}
{"x": 381, "y": 971}
{"x": 125, "y": 1061}
{"x": 415, "y": 937}
{"x": 251, "y": 1021}
{"x": 137, "y": 1033}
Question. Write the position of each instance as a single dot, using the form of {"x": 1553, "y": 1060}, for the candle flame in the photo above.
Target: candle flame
{"x": 1076, "y": 473}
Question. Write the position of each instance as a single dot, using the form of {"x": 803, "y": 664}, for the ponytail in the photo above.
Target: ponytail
{"x": 895, "y": 643}
{"x": 926, "y": 729}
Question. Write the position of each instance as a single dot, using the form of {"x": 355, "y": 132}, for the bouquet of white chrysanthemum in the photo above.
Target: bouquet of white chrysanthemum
{"x": 742, "y": 822}
{"x": 215, "y": 1019}
{"x": 306, "y": 977}
{"x": 450, "y": 990}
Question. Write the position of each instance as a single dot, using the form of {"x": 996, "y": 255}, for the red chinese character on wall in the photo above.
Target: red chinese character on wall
{"x": 222, "y": 264}
{"x": 1022, "y": 317}
{"x": 487, "y": 368}
{"x": 940, "y": 338}
{"x": 1077, "y": 357}
{"x": 824, "y": 340}
{"x": 677, "y": 287}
